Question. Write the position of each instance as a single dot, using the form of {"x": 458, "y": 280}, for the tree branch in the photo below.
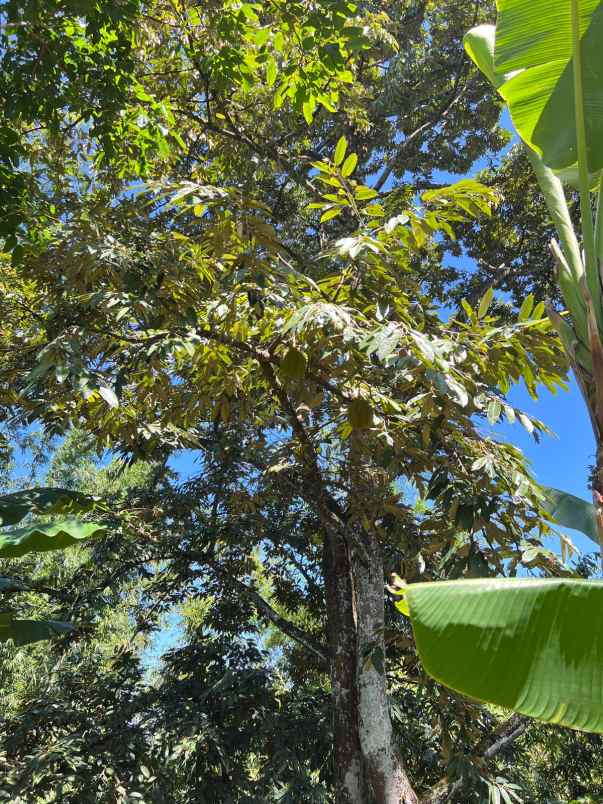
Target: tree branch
{"x": 513, "y": 729}
{"x": 284, "y": 625}
{"x": 441, "y": 115}
{"x": 505, "y": 734}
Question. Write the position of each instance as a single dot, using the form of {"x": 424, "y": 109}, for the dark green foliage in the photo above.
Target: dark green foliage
{"x": 510, "y": 249}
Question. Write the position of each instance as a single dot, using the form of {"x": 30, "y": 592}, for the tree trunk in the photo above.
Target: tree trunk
{"x": 383, "y": 768}
{"x": 341, "y": 632}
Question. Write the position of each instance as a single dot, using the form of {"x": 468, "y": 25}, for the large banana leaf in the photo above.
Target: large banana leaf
{"x": 533, "y": 646}
{"x": 534, "y": 39}
{"x": 39, "y": 537}
{"x": 54, "y": 535}
{"x": 14, "y": 507}
{"x": 572, "y": 512}
{"x": 24, "y": 632}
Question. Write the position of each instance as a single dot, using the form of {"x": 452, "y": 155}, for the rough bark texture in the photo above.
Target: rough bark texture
{"x": 364, "y": 753}
{"x": 341, "y": 632}
{"x": 385, "y": 775}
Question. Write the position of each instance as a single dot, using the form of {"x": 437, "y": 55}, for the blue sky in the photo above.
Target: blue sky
{"x": 562, "y": 461}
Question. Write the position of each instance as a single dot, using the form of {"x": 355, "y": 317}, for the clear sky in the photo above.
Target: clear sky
{"x": 562, "y": 461}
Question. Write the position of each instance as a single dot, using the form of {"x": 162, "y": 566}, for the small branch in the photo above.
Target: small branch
{"x": 506, "y": 740}
{"x": 271, "y": 614}
{"x": 284, "y": 625}
{"x": 504, "y": 735}
{"x": 441, "y": 115}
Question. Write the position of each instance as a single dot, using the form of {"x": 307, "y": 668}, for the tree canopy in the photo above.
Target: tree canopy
{"x": 229, "y": 231}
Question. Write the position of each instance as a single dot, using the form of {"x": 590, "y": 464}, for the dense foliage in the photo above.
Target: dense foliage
{"x": 228, "y": 235}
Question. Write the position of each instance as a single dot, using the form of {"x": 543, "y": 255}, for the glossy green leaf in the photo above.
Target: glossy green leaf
{"x": 364, "y": 193}
{"x": 349, "y": 165}
{"x": 526, "y": 308}
{"x": 534, "y": 40}
{"x": 340, "y": 149}
{"x": 24, "y": 632}
{"x": 533, "y": 646}
{"x": 570, "y": 511}
{"x": 485, "y": 303}
{"x": 308, "y": 108}
{"x": 402, "y": 606}
{"x": 480, "y": 44}
{"x": 47, "y": 536}
{"x": 42, "y": 501}
{"x": 330, "y": 214}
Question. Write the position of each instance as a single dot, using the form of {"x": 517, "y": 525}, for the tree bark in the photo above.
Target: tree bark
{"x": 341, "y": 633}
{"x": 383, "y": 767}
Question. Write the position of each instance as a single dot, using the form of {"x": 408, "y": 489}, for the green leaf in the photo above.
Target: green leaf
{"x": 526, "y": 422}
{"x": 13, "y": 507}
{"x": 48, "y": 536}
{"x": 364, "y": 193}
{"x": 494, "y": 410}
{"x": 349, "y": 165}
{"x": 526, "y": 308}
{"x": 462, "y": 191}
{"x": 467, "y": 308}
{"x": 533, "y": 646}
{"x": 330, "y": 213}
{"x": 458, "y": 391}
{"x": 538, "y": 311}
{"x": 360, "y": 414}
{"x": 571, "y": 512}
{"x": 479, "y": 44}
{"x": 308, "y": 108}
{"x": 534, "y": 37}
{"x": 24, "y": 632}
{"x": 402, "y": 606}
{"x": 340, "y": 149}
{"x": 485, "y": 303}
{"x": 294, "y": 364}
{"x": 510, "y": 414}
{"x": 271, "y": 71}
